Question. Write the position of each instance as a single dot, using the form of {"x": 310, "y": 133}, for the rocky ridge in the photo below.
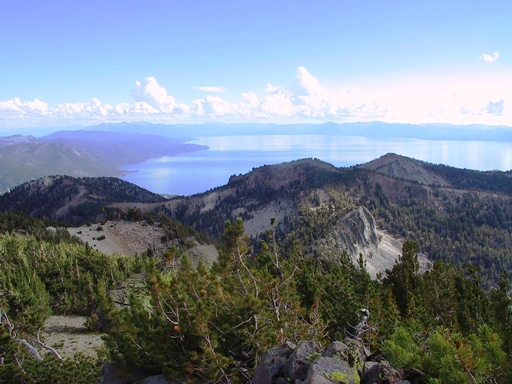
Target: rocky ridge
{"x": 402, "y": 167}
{"x": 347, "y": 362}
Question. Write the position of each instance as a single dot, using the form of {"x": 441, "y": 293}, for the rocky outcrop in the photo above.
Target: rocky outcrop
{"x": 206, "y": 253}
{"x": 357, "y": 235}
{"x": 360, "y": 231}
{"x": 347, "y": 362}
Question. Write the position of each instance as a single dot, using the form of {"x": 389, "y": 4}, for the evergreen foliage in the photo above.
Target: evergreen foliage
{"x": 213, "y": 323}
{"x": 49, "y": 273}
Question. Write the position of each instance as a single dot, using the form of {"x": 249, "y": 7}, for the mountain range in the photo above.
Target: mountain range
{"x": 454, "y": 215}
{"x": 103, "y": 150}
{"x": 81, "y": 153}
{"x": 374, "y": 129}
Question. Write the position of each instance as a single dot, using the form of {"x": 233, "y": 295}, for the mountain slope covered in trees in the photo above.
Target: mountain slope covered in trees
{"x": 281, "y": 274}
{"x": 454, "y": 215}
{"x": 73, "y": 200}
{"x": 212, "y": 324}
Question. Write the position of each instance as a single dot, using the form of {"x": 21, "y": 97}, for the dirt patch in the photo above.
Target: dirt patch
{"x": 68, "y": 335}
{"x": 123, "y": 237}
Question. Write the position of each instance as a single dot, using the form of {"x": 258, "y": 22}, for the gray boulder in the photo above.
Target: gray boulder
{"x": 110, "y": 375}
{"x": 328, "y": 370}
{"x": 347, "y": 362}
{"x": 297, "y": 366}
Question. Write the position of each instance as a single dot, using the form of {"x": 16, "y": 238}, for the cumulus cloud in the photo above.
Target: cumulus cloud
{"x": 25, "y": 107}
{"x": 305, "y": 99}
{"x": 153, "y": 94}
{"x": 151, "y": 98}
{"x": 489, "y": 58}
{"x": 214, "y": 89}
{"x": 216, "y": 106}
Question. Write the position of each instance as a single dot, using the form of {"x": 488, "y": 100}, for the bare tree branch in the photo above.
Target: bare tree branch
{"x": 47, "y": 347}
{"x": 31, "y": 348}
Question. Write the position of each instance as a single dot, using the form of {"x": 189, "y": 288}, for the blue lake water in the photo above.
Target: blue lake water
{"x": 195, "y": 172}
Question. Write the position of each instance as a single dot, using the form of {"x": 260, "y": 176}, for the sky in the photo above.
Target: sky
{"x": 80, "y": 63}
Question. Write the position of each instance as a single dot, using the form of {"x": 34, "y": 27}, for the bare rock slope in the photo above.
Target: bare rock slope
{"x": 357, "y": 234}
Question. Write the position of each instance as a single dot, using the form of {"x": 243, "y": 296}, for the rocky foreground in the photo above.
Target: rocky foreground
{"x": 346, "y": 362}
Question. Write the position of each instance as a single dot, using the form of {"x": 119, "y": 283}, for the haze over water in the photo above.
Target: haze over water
{"x": 196, "y": 172}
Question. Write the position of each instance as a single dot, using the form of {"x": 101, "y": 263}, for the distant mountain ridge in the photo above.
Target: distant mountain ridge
{"x": 80, "y": 153}
{"x": 405, "y": 168}
{"x": 120, "y": 148}
{"x": 374, "y": 129}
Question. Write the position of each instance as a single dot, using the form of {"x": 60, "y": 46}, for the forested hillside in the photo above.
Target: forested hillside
{"x": 457, "y": 216}
{"x": 73, "y": 200}
{"x": 214, "y": 323}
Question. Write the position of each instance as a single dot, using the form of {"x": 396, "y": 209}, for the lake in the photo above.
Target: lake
{"x": 196, "y": 172}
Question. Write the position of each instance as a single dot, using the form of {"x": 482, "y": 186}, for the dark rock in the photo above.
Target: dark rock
{"x": 381, "y": 372}
{"x": 376, "y": 356}
{"x": 369, "y": 365}
{"x": 346, "y": 362}
{"x": 336, "y": 349}
{"x": 110, "y": 375}
{"x": 272, "y": 364}
{"x": 297, "y": 366}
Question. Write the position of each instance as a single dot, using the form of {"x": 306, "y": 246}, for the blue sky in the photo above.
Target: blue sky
{"x": 79, "y": 63}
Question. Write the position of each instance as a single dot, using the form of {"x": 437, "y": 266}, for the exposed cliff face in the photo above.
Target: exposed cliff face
{"x": 361, "y": 230}
{"x": 357, "y": 234}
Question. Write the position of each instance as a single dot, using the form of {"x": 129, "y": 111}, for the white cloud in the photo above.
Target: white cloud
{"x": 277, "y": 105}
{"x": 217, "y": 106}
{"x": 305, "y": 99}
{"x": 152, "y": 93}
{"x": 270, "y": 88}
{"x": 250, "y": 98}
{"x": 489, "y": 58}
{"x": 25, "y": 107}
{"x": 214, "y": 89}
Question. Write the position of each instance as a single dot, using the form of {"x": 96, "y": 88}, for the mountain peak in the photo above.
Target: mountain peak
{"x": 405, "y": 168}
